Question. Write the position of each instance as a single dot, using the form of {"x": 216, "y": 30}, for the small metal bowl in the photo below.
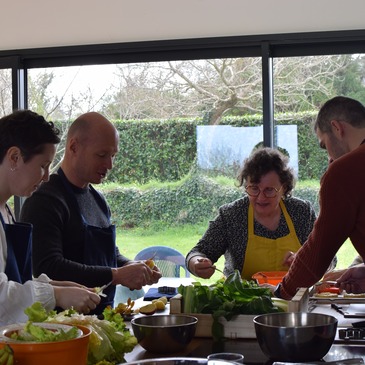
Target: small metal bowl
{"x": 295, "y": 337}
{"x": 164, "y": 333}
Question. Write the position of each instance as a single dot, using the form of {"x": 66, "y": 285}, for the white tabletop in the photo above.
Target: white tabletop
{"x": 123, "y": 293}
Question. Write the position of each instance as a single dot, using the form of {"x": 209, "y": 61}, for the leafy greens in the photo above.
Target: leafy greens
{"x": 227, "y": 298}
{"x": 36, "y": 333}
{"x": 109, "y": 339}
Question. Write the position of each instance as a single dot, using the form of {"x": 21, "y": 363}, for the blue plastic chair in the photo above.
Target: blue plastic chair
{"x": 122, "y": 293}
{"x": 171, "y": 262}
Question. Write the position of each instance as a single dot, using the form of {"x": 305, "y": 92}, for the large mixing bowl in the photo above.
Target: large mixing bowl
{"x": 295, "y": 337}
{"x": 178, "y": 361}
{"x": 164, "y": 333}
{"x": 70, "y": 352}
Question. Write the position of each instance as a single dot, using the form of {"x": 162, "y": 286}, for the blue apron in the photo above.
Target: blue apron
{"x": 19, "y": 246}
{"x": 99, "y": 244}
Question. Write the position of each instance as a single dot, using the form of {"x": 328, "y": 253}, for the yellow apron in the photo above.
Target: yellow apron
{"x": 265, "y": 254}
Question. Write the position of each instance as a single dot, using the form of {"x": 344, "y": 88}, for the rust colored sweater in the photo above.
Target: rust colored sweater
{"x": 342, "y": 216}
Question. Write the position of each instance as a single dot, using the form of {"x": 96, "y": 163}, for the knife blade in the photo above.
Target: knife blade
{"x": 216, "y": 269}
{"x": 338, "y": 309}
{"x": 102, "y": 288}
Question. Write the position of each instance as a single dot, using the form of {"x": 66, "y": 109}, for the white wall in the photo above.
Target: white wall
{"x": 47, "y": 23}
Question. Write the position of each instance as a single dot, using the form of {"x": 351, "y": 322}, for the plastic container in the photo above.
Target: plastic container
{"x": 70, "y": 352}
{"x": 269, "y": 277}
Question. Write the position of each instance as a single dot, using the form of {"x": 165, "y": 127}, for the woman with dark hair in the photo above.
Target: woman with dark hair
{"x": 260, "y": 231}
{"x": 27, "y": 148}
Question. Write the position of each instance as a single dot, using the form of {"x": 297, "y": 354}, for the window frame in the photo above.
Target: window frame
{"x": 266, "y": 46}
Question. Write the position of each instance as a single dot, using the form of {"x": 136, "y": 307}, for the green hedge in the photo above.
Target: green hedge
{"x": 196, "y": 199}
{"x": 154, "y": 150}
{"x": 166, "y": 150}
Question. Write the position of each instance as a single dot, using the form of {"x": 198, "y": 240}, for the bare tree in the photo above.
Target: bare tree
{"x": 302, "y": 83}
{"x": 144, "y": 91}
{"x": 227, "y": 85}
{"x": 5, "y": 92}
{"x": 222, "y": 85}
{"x": 214, "y": 88}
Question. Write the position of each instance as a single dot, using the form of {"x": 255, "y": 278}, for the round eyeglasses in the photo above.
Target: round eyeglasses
{"x": 269, "y": 192}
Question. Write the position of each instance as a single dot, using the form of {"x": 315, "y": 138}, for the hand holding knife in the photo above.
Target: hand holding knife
{"x": 100, "y": 290}
{"x": 206, "y": 264}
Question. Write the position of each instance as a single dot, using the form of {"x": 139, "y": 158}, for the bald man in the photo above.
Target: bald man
{"x": 73, "y": 238}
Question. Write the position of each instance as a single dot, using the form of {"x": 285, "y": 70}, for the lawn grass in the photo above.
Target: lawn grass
{"x": 183, "y": 238}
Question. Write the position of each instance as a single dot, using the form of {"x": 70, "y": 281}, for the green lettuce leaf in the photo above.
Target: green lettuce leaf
{"x": 227, "y": 298}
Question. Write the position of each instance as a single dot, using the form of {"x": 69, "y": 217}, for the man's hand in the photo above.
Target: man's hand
{"x": 288, "y": 258}
{"x": 353, "y": 280}
{"x": 136, "y": 274}
{"x": 333, "y": 274}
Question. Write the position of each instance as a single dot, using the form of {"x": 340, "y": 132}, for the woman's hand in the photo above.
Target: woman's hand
{"x": 202, "y": 267}
{"x": 81, "y": 299}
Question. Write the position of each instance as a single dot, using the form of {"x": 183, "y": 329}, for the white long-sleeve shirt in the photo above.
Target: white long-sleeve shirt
{"x": 16, "y": 297}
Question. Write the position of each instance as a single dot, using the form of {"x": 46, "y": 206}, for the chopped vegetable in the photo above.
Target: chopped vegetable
{"x": 227, "y": 298}
{"x": 125, "y": 308}
{"x": 330, "y": 289}
{"x": 37, "y": 313}
{"x": 109, "y": 339}
{"x": 281, "y": 303}
{"x": 32, "y": 332}
{"x": 150, "y": 263}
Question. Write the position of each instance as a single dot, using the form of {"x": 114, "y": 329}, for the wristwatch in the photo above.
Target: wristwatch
{"x": 277, "y": 291}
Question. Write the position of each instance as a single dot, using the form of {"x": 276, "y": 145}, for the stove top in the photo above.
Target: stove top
{"x": 350, "y": 335}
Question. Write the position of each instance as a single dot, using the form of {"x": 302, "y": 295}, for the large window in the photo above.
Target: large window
{"x": 198, "y": 120}
{"x": 189, "y": 112}
{"x": 301, "y": 86}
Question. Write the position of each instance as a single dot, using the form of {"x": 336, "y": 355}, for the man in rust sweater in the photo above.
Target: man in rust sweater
{"x": 340, "y": 128}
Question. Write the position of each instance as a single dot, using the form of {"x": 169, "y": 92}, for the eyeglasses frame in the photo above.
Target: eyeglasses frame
{"x": 263, "y": 191}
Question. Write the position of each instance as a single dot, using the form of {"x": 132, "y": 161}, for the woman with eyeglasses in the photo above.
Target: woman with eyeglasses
{"x": 260, "y": 231}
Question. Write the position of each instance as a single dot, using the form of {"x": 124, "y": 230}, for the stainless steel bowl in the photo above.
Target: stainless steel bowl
{"x": 295, "y": 336}
{"x": 164, "y": 333}
{"x": 177, "y": 361}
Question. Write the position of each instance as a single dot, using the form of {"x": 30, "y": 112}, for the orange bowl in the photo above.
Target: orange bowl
{"x": 269, "y": 277}
{"x": 70, "y": 352}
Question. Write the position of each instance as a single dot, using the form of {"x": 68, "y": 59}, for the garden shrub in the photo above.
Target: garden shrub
{"x": 154, "y": 150}
{"x": 165, "y": 150}
{"x": 197, "y": 199}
